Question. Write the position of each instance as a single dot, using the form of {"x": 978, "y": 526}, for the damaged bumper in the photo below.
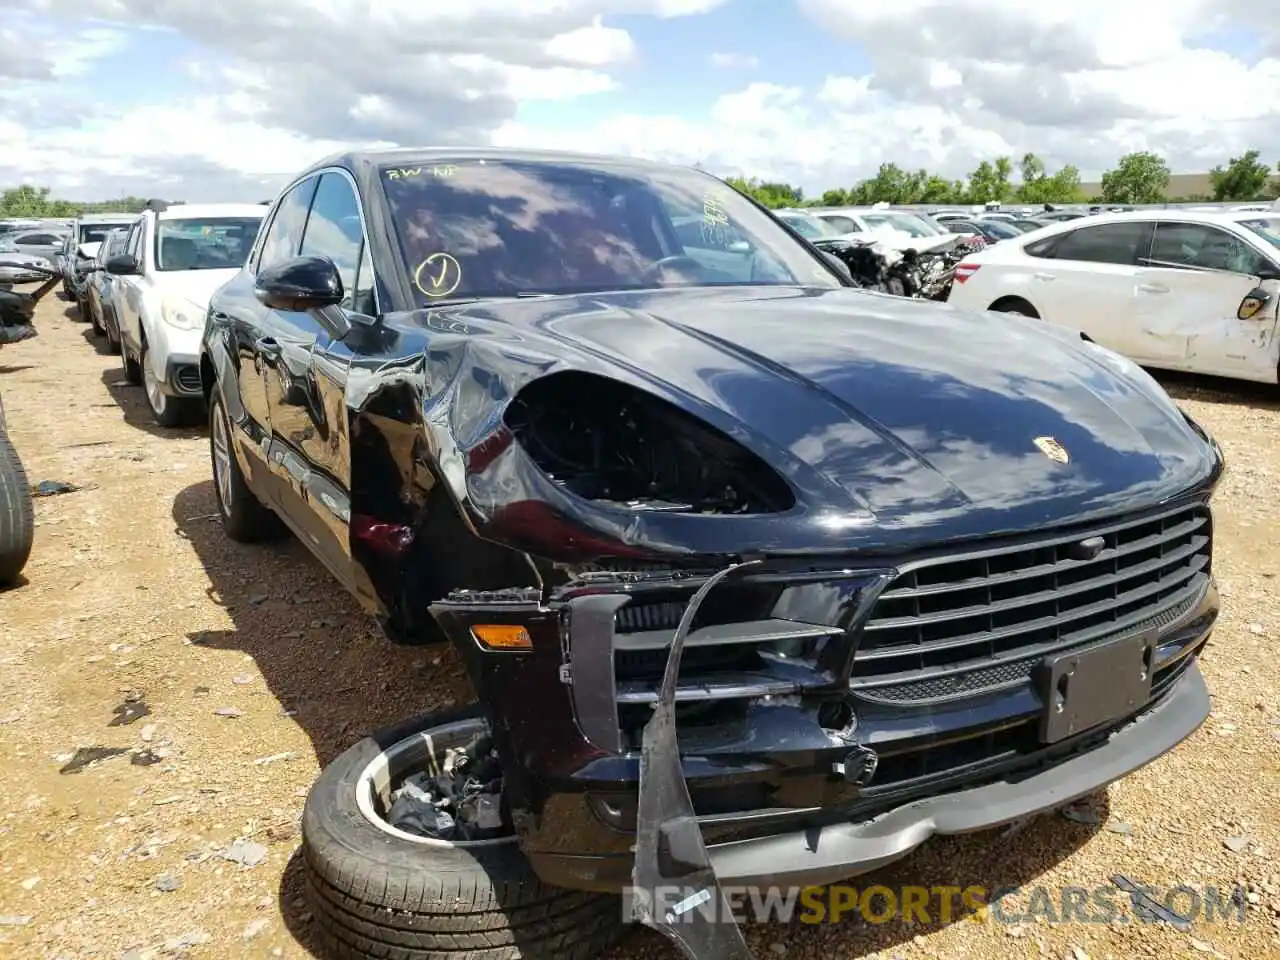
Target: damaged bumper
{"x": 827, "y": 718}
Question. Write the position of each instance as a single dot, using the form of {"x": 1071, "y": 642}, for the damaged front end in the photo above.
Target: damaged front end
{"x": 904, "y": 273}
{"x": 18, "y": 307}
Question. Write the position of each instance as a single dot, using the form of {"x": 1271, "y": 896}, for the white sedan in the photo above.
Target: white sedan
{"x": 1170, "y": 289}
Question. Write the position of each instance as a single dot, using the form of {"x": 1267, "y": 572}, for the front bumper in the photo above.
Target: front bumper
{"x": 833, "y": 853}
{"x": 952, "y": 715}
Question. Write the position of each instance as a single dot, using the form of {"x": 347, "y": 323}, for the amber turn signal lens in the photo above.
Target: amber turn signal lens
{"x": 1250, "y": 308}
{"x": 502, "y": 636}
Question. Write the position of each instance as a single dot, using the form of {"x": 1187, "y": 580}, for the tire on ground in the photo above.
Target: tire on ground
{"x": 376, "y": 895}
{"x": 246, "y": 519}
{"x": 17, "y": 515}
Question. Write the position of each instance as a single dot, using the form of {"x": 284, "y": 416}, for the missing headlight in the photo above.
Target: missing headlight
{"x": 609, "y": 442}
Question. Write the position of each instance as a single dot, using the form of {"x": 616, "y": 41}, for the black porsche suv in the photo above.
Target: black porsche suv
{"x": 759, "y": 579}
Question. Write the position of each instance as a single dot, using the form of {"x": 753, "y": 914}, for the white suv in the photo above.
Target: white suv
{"x": 174, "y": 259}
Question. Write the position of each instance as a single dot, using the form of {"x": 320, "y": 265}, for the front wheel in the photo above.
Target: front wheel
{"x": 17, "y": 513}
{"x": 95, "y": 319}
{"x": 245, "y": 518}
{"x": 381, "y": 885}
{"x": 168, "y": 411}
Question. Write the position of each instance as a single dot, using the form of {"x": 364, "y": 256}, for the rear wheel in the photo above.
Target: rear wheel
{"x": 95, "y": 318}
{"x": 17, "y": 514}
{"x": 379, "y": 890}
{"x": 112, "y": 329}
{"x": 132, "y": 369}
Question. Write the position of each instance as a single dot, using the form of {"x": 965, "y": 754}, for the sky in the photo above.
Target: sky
{"x": 226, "y": 100}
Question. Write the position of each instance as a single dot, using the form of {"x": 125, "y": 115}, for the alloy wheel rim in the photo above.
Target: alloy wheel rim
{"x": 155, "y": 396}
{"x": 415, "y": 753}
{"x": 222, "y": 462}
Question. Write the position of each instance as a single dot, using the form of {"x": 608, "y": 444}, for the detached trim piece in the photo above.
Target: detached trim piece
{"x": 670, "y": 851}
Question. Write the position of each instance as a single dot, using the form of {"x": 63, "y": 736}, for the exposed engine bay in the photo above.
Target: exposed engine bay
{"x": 905, "y": 273}
{"x": 609, "y": 442}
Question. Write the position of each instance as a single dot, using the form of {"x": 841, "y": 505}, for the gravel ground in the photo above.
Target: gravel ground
{"x": 225, "y": 676}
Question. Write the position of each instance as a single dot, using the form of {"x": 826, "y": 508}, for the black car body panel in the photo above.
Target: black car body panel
{"x": 940, "y": 503}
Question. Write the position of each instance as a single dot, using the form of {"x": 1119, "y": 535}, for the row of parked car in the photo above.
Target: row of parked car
{"x": 143, "y": 281}
{"x": 1171, "y": 288}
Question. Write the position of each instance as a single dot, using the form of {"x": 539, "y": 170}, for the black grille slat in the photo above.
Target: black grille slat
{"x": 985, "y": 675}
{"x": 1055, "y": 592}
{"x": 955, "y": 625}
{"x": 894, "y": 593}
{"x": 986, "y": 639}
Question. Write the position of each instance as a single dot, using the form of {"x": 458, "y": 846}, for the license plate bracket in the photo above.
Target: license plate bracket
{"x": 1083, "y": 688}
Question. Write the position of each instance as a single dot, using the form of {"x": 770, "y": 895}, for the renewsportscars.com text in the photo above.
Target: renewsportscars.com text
{"x": 1103, "y": 904}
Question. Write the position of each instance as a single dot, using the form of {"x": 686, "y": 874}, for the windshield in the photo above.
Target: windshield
{"x": 486, "y": 228}
{"x": 809, "y": 227}
{"x": 1000, "y": 230}
{"x": 95, "y": 232}
{"x": 905, "y": 222}
{"x": 205, "y": 243}
{"x": 1268, "y": 228}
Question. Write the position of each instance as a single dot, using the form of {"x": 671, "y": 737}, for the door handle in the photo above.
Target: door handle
{"x": 1153, "y": 288}
{"x": 1045, "y": 277}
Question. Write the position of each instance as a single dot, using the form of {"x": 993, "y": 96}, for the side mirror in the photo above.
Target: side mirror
{"x": 1253, "y": 303}
{"x": 122, "y": 265}
{"x": 306, "y": 285}
{"x": 739, "y": 246}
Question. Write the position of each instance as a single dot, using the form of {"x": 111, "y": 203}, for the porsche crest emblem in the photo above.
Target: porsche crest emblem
{"x": 1052, "y": 449}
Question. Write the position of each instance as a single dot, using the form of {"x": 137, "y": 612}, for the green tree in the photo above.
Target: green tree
{"x": 1139, "y": 177}
{"x": 1038, "y": 187}
{"x": 990, "y": 182}
{"x": 1244, "y": 178}
{"x": 772, "y": 195}
{"x": 31, "y": 201}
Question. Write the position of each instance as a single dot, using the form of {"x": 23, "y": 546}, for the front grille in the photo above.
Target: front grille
{"x": 955, "y": 625}
{"x": 187, "y": 379}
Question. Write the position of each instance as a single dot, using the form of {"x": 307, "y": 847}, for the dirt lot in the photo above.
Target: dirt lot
{"x": 253, "y": 670}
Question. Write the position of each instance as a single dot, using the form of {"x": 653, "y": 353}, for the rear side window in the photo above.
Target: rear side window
{"x": 1203, "y": 245}
{"x": 843, "y": 224}
{"x": 1120, "y": 243}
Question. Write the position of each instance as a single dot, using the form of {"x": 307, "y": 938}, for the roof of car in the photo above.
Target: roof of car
{"x": 108, "y": 218}
{"x": 358, "y": 158}
{"x": 1195, "y": 216}
{"x": 192, "y": 211}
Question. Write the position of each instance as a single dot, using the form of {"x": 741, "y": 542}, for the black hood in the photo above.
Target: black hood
{"x": 900, "y": 412}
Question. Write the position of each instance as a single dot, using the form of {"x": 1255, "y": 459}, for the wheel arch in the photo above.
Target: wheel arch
{"x": 1007, "y": 303}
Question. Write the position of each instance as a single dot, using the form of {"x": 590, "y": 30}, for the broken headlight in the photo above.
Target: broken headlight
{"x": 612, "y": 443}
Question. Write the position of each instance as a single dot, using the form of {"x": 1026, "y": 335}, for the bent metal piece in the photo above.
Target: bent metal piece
{"x": 670, "y": 853}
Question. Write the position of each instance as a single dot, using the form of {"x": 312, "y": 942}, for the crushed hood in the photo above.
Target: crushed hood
{"x": 902, "y": 411}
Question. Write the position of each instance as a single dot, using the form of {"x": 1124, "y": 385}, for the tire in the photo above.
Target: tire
{"x": 380, "y": 894}
{"x": 168, "y": 411}
{"x": 17, "y": 513}
{"x": 95, "y": 319}
{"x": 132, "y": 369}
{"x": 112, "y": 328}
{"x": 245, "y": 518}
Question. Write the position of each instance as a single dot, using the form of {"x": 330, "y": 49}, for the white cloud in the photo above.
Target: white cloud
{"x": 734, "y": 61}
{"x": 948, "y": 84}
